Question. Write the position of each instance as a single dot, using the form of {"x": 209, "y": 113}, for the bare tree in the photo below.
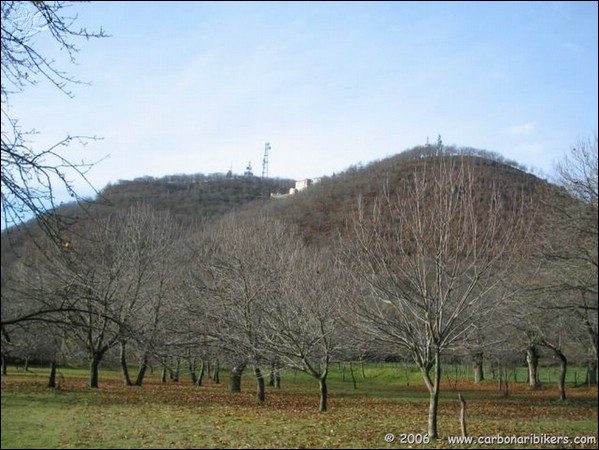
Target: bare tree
{"x": 268, "y": 298}
{"x": 558, "y": 297}
{"x": 236, "y": 276}
{"x": 31, "y": 176}
{"x": 544, "y": 325}
{"x": 433, "y": 257}
{"x": 100, "y": 288}
{"x": 482, "y": 339}
{"x": 577, "y": 171}
{"x": 153, "y": 324}
{"x": 32, "y": 299}
{"x": 569, "y": 249}
{"x": 302, "y": 324}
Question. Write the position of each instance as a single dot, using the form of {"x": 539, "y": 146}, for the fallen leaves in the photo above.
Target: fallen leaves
{"x": 180, "y": 415}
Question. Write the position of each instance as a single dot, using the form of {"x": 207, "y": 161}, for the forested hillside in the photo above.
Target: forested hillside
{"x": 326, "y": 208}
{"x": 193, "y": 197}
{"x": 190, "y": 200}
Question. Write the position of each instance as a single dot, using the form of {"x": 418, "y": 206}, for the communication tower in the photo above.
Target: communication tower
{"x": 265, "y": 161}
{"x": 248, "y": 170}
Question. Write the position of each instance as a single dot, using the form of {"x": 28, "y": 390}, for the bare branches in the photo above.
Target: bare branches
{"x": 577, "y": 172}
{"x": 434, "y": 256}
{"x": 563, "y": 297}
{"x": 31, "y": 177}
{"x": 22, "y": 64}
{"x": 435, "y": 252}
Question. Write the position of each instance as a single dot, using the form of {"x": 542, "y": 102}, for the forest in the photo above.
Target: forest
{"x": 434, "y": 256}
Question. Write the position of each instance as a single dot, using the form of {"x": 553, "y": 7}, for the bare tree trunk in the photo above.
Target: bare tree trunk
{"x": 52, "y": 378}
{"x": 591, "y": 377}
{"x": 142, "y": 370}
{"x": 563, "y": 367}
{"x": 503, "y": 383}
{"x": 324, "y": 392}
{"x": 532, "y": 358}
{"x": 175, "y": 373}
{"x": 434, "y": 399}
{"x": 124, "y": 368}
{"x": 94, "y": 369}
{"x": 163, "y": 375}
{"x": 192, "y": 373}
{"x": 260, "y": 392}
{"x": 353, "y": 378}
{"x": 216, "y": 372}
{"x": 479, "y": 375}
{"x": 235, "y": 377}
{"x": 200, "y": 377}
{"x": 4, "y": 364}
{"x": 462, "y": 415}
{"x": 277, "y": 379}
{"x": 274, "y": 378}
{"x": 271, "y": 376}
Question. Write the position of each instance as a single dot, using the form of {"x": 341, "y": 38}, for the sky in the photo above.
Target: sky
{"x": 201, "y": 87}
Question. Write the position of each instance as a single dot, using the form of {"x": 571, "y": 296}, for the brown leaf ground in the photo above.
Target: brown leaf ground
{"x": 179, "y": 415}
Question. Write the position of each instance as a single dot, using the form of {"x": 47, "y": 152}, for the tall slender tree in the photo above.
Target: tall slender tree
{"x": 433, "y": 256}
{"x": 302, "y": 325}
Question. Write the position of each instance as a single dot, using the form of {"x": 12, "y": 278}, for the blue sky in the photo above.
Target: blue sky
{"x": 199, "y": 87}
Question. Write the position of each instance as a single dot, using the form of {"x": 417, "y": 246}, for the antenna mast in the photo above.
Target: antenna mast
{"x": 265, "y": 161}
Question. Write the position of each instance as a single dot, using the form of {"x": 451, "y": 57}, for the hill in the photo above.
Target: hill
{"x": 324, "y": 208}
{"x": 189, "y": 199}
{"x": 320, "y": 211}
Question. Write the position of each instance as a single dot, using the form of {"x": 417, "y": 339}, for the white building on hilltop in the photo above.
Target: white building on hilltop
{"x": 299, "y": 186}
{"x": 304, "y": 184}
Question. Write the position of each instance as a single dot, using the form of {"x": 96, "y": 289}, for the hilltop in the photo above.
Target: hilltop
{"x": 191, "y": 198}
{"x": 324, "y": 208}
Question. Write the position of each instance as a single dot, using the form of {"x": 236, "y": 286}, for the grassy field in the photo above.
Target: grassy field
{"x": 390, "y": 399}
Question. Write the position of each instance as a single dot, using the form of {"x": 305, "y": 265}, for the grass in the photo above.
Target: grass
{"x": 179, "y": 415}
